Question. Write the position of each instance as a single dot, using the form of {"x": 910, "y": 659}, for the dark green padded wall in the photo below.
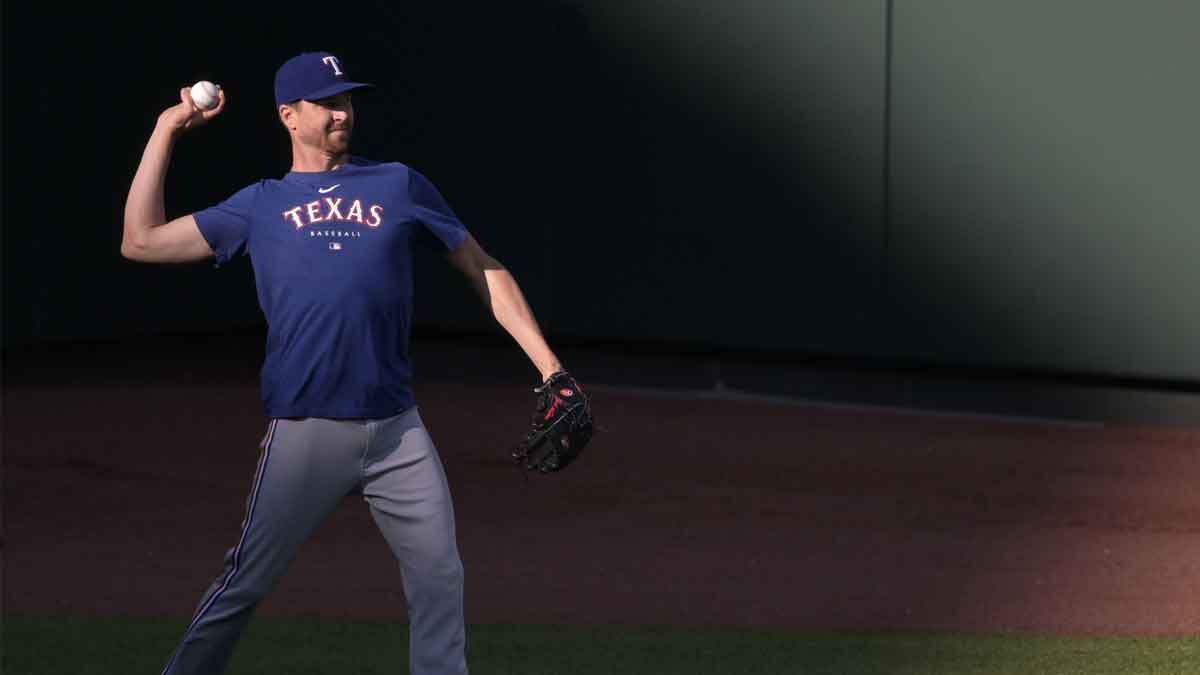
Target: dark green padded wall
{"x": 1044, "y": 181}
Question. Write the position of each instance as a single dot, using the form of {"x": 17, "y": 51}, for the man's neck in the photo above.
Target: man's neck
{"x": 309, "y": 160}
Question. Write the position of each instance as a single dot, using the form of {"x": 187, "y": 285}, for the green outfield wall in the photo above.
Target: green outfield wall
{"x": 956, "y": 182}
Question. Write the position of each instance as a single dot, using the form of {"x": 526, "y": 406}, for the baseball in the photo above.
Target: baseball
{"x": 204, "y": 95}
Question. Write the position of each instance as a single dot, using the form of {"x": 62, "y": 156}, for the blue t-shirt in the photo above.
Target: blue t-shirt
{"x": 332, "y": 257}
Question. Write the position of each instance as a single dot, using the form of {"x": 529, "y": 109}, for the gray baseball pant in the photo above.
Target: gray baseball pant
{"x": 306, "y": 468}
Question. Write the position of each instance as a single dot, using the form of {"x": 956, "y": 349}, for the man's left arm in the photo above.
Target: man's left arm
{"x": 499, "y": 291}
{"x": 562, "y": 423}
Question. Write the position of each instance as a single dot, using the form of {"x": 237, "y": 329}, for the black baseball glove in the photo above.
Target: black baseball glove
{"x": 561, "y": 426}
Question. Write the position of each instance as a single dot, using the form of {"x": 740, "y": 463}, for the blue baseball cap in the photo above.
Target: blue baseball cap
{"x": 312, "y": 76}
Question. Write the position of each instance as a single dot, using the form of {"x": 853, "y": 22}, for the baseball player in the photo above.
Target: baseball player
{"x": 331, "y": 246}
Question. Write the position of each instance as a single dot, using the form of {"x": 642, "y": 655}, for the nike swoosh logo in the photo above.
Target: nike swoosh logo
{"x": 329, "y": 189}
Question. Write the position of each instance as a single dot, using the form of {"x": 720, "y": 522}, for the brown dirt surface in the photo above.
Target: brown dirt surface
{"x": 121, "y": 497}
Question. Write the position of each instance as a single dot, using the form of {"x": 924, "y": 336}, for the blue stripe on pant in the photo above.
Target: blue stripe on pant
{"x": 204, "y": 615}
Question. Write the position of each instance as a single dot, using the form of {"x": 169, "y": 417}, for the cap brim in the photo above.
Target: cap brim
{"x": 334, "y": 90}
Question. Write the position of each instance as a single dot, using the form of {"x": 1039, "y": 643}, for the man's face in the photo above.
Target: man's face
{"x": 327, "y": 123}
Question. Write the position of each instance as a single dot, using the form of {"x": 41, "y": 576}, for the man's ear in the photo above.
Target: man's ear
{"x": 287, "y": 115}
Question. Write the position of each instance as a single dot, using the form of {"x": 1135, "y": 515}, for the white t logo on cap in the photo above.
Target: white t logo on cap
{"x": 333, "y": 62}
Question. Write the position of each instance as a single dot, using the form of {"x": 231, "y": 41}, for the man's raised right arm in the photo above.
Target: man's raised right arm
{"x": 147, "y": 237}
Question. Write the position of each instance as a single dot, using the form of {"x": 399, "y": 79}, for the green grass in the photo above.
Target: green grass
{"x": 74, "y": 646}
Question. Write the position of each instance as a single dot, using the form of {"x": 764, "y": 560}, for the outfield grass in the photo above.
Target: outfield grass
{"x": 73, "y": 646}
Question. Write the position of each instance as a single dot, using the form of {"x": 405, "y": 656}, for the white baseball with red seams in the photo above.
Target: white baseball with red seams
{"x": 205, "y": 95}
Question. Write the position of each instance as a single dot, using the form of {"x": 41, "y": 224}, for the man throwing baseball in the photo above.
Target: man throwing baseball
{"x": 331, "y": 245}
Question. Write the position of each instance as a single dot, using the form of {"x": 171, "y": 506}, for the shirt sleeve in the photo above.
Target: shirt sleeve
{"x": 442, "y": 231}
{"x": 226, "y": 226}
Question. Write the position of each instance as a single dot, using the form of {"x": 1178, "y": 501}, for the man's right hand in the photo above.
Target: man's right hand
{"x": 185, "y": 115}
